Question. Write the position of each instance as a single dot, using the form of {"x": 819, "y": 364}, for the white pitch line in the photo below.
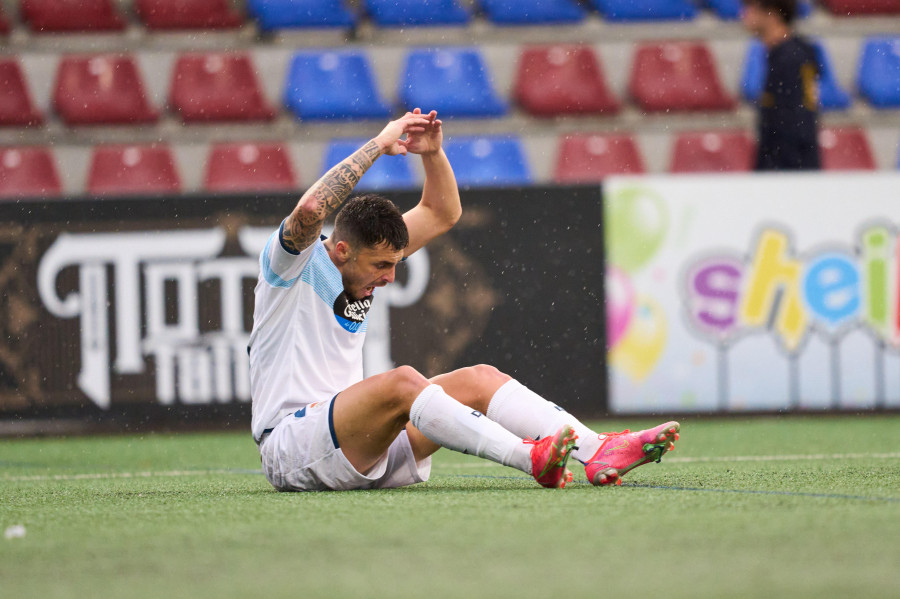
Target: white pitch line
{"x": 110, "y": 475}
{"x": 788, "y": 457}
{"x": 485, "y": 464}
{"x": 745, "y": 458}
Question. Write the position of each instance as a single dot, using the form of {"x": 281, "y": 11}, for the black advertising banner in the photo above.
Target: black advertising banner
{"x": 139, "y": 310}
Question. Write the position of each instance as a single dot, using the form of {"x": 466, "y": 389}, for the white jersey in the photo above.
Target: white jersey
{"x": 307, "y": 339}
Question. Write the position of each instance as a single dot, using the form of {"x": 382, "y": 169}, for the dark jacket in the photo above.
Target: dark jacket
{"x": 788, "y": 109}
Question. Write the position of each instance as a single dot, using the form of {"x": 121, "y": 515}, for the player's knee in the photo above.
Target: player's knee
{"x": 405, "y": 384}
{"x": 487, "y": 376}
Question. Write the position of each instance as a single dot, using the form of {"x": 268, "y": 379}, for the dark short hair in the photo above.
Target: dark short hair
{"x": 786, "y": 9}
{"x": 370, "y": 220}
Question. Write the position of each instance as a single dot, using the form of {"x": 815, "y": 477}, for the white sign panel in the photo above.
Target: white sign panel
{"x": 753, "y": 292}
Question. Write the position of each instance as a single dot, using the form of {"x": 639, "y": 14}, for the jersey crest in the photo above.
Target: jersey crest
{"x": 351, "y": 314}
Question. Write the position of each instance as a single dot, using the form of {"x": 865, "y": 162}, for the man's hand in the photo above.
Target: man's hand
{"x": 427, "y": 141}
{"x": 411, "y": 123}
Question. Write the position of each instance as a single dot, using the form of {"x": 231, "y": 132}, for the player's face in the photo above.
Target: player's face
{"x": 753, "y": 18}
{"x": 368, "y": 268}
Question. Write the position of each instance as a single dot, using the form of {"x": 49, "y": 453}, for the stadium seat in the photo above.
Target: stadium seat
{"x": 128, "y": 170}
{"x": 453, "y": 81}
{"x": 713, "y": 152}
{"x": 677, "y": 76}
{"x": 27, "y": 172}
{"x": 645, "y": 10}
{"x": 400, "y": 13}
{"x": 388, "y": 172}
{"x": 16, "y": 108}
{"x": 730, "y": 10}
{"x": 71, "y": 15}
{"x": 831, "y": 95}
{"x": 333, "y": 85}
{"x": 249, "y": 167}
{"x": 879, "y": 72}
{"x": 852, "y": 8}
{"x": 188, "y": 14}
{"x": 4, "y": 24}
{"x": 217, "y": 87}
{"x": 533, "y": 12}
{"x": 93, "y": 90}
{"x": 586, "y": 158}
{"x": 488, "y": 161}
{"x": 560, "y": 80}
{"x": 845, "y": 150}
{"x": 289, "y": 14}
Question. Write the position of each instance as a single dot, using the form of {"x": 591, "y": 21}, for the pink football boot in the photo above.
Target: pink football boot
{"x": 621, "y": 452}
{"x": 549, "y": 457}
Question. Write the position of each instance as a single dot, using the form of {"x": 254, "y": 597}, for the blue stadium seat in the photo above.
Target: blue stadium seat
{"x": 831, "y": 95}
{"x": 488, "y": 161}
{"x": 646, "y": 10}
{"x": 730, "y": 10}
{"x": 284, "y": 14}
{"x": 388, "y": 172}
{"x": 453, "y": 81}
{"x": 533, "y": 12}
{"x": 397, "y": 13}
{"x": 879, "y": 72}
{"x": 333, "y": 85}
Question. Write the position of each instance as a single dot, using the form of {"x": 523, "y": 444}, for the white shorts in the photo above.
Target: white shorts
{"x": 302, "y": 454}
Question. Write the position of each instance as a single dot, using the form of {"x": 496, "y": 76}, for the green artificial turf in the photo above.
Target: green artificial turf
{"x": 190, "y": 516}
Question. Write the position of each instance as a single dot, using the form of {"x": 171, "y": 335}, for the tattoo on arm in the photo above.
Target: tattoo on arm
{"x": 325, "y": 196}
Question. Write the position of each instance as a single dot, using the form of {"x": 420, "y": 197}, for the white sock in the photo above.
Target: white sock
{"x": 523, "y": 412}
{"x": 452, "y": 425}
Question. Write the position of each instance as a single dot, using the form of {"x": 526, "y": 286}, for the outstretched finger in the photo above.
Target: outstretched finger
{"x": 418, "y": 123}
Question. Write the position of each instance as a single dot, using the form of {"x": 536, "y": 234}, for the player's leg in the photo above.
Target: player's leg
{"x": 369, "y": 415}
{"x": 473, "y": 387}
{"x": 527, "y": 414}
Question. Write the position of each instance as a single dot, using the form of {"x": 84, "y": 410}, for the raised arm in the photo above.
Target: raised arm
{"x": 304, "y": 224}
{"x": 440, "y": 207}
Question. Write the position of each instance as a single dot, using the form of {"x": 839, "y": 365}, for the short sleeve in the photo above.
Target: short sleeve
{"x": 280, "y": 266}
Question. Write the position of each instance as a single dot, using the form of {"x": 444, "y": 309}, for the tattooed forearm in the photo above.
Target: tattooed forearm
{"x": 305, "y": 223}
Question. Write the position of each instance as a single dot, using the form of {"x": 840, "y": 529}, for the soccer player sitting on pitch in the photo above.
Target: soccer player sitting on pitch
{"x": 318, "y": 423}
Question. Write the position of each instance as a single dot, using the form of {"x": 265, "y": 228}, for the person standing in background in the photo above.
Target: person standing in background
{"x": 788, "y": 107}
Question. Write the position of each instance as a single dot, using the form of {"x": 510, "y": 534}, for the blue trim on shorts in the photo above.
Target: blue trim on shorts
{"x": 264, "y": 433}
{"x": 331, "y": 423}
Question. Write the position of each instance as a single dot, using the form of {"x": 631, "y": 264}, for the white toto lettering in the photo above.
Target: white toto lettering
{"x": 191, "y": 367}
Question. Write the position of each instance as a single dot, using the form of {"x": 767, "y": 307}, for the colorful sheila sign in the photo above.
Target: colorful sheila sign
{"x": 753, "y": 292}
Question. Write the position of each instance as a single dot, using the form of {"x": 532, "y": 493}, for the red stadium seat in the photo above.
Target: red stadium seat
{"x": 217, "y": 87}
{"x": 713, "y": 152}
{"x": 677, "y": 76}
{"x": 27, "y": 172}
{"x": 845, "y": 150}
{"x": 4, "y": 24}
{"x": 71, "y": 15}
{"x": 560, "y": 80}
{"x": 852, "y": 8}
{"x": 188, "y": 14}
{"x": 16, "y": 108}
{"x": 125, "y": 170}
{"x": 249, "y": 167}
{"x": 585, "y": 158}
{"x": 93, "y": 90}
